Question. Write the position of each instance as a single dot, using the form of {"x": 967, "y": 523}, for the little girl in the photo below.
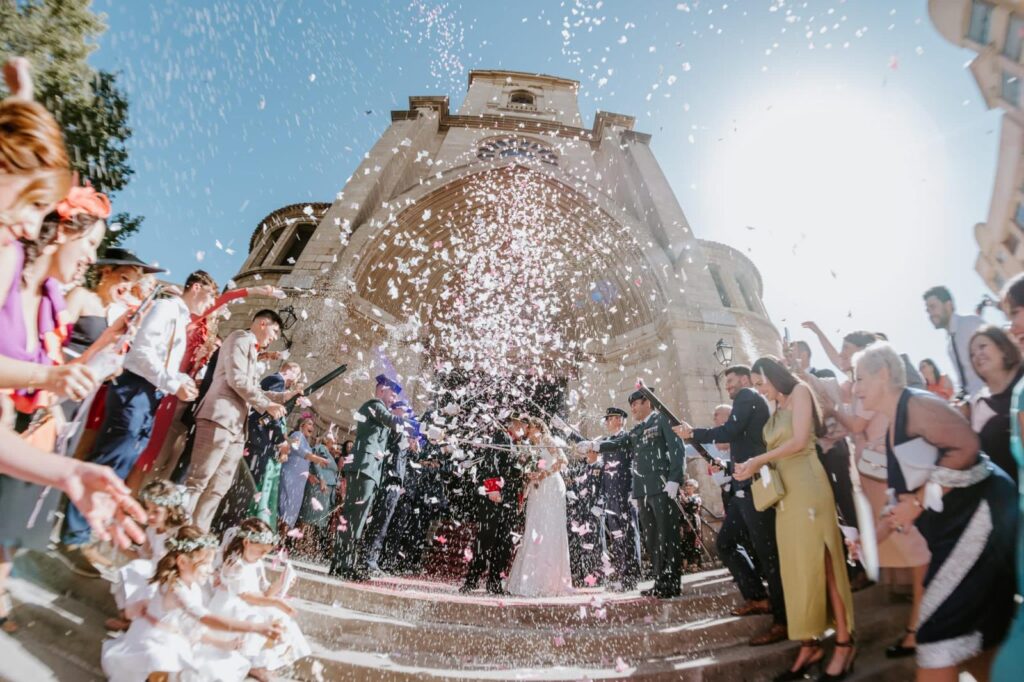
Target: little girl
{"x": 242, "y": 591}
{"x": 167, "y": 639}
{"x": 132, "y": 587}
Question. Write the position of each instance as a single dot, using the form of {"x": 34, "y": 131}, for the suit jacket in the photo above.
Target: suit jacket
{"x": 743, "y": 431}
{"x": 616, "y": 471}
{"x": 235, "y": 385}
{"x": 503, "y": 464}
{"x": 376, "y": 423}
{"x": 658, "y": 454}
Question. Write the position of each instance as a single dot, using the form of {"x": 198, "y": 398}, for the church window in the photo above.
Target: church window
{"x": 521, "y": 97}
{"x": 297, "y": 242}
{"x": 496, "y": 148}
{"x": 716, "y": 275}
{"x": 269, "y": 240}
{"x": 748, "y": 299}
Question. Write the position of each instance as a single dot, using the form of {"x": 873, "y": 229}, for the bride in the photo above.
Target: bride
{"x": 541, "y": 567}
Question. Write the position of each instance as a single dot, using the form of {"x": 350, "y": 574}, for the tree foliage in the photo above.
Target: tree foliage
{"x": 58, "y": 36}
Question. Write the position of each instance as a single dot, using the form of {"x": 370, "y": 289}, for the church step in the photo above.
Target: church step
{"x": 59, "y": 638}
{"x": 516, "y": 645}
{"x": 421, "y": 601}
{"x": 726, "y": 664}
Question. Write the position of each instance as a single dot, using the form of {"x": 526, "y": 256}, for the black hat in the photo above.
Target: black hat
{"x": 115, "y": 256}
{"x": 615, "y": 412}
{"x": 390, "y": 383}
{"x": 637, "y": 395}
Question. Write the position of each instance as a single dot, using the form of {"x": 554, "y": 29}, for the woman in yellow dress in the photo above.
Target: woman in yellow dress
{"x": 811, "y": 557}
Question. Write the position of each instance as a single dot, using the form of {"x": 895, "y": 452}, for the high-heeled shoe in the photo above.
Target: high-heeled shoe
{"x": 813, "y": 662}
{"x": 847, "y": 665}
{"x": 897, "y": 650}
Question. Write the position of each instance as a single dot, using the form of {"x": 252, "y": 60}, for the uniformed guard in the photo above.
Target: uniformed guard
{"x": 619, "y": 527}
{"x": 658, "y": 471}
{"x": 363, "y": 476}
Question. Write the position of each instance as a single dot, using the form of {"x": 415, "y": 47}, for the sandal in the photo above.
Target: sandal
{"x": 898, "y": 650}
{"x": 814, "y": 661}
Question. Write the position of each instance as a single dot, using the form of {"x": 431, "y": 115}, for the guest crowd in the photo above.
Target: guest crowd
{"x": 163, "y": 457}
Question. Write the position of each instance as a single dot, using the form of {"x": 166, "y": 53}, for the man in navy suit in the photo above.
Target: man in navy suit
{"x": 744, "y": 526}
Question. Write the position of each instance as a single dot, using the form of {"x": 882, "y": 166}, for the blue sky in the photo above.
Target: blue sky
{"x": 842, "y": 145}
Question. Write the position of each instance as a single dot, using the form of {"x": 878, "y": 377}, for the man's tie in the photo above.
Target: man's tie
{"x": 959, "y": 367}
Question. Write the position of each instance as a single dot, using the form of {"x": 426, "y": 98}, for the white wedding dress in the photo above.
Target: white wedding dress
{"x": 541, "y": 567}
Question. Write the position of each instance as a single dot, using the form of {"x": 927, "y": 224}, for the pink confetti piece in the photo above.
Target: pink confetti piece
{"x": 257, "y": 497}
{"x": 467, "y": 555}
{"x": 558, "y": 640}
{"x": 440, "y": 539}
{"x": 590, "y": 580}
{"x": 295, "y": 533}
{"x": 620, "y": 665}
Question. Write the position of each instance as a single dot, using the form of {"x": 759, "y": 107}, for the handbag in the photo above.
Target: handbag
{"x": 874, "y": 465}
{"x": 767, "y": 488}
{"x": 917, "y": 460}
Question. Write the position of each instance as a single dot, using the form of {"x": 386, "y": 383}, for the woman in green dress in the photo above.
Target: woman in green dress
{"x": 811, "y": 549}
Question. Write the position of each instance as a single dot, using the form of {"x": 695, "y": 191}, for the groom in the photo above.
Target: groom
{"x": 501, "y": 482}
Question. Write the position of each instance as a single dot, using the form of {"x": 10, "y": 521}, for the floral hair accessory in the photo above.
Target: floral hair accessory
{"x": 187, "y": 546}
{"x": 83, "y": 200}
{"x": 259, "y": 537}
{"x": 172, "y": 499}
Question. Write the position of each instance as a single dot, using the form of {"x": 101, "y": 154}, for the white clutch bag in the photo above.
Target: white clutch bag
{"x": 917, "y": 460}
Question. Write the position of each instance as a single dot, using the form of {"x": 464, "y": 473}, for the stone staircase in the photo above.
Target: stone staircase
{"x": 405, "y": 629}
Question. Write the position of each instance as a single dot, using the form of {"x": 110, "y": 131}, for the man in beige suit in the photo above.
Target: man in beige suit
{"x": 220, "y": 420}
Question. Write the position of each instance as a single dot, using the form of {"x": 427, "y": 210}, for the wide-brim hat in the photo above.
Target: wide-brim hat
{"x": 117, "y": 257}
{"x": 615, "y": 412}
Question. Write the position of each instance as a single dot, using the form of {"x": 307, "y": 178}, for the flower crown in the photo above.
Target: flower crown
{"x": 171, "y": 499}
{"x": 259, "y": 537}
{"x": 191, "y": 545}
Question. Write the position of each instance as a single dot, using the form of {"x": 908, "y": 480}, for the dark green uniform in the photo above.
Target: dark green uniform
{"x": 362, "y": 477}
{"x": 658, "y": 458}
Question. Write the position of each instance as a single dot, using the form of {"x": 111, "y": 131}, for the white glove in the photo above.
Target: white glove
{"x": 672, "y": 488}
{"x": 559, "y": 423}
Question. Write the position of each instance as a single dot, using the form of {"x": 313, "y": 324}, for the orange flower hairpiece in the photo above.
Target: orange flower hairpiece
{"x": 83, "y": 200}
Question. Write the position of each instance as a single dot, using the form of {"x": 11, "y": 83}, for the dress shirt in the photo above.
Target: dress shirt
{"x": 961, "y": 329}
{"x": 159, "y": 345}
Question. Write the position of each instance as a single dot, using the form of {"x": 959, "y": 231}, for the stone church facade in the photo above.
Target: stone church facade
{"x": 675, "y": 296}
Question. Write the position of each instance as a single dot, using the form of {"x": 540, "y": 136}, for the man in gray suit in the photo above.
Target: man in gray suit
{"x": 220, "y": 419}
{"x": 362, "y": 478}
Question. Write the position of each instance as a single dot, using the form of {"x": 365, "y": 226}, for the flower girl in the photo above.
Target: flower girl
{"x": 167, "y": 638}
{"x": 132, "y": 588}
{"x": 241, "y": 590}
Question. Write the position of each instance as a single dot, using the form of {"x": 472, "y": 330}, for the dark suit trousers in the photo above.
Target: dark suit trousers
{"x": 359, "y": 491}
{"x": 493, "y": 547}
{"x": 659, "y": 524}
{"x": 620, "y": 538}
{"x": 746, "y": 527}
{"x": 380, "y": 522}
{"x": 131, "y": 404}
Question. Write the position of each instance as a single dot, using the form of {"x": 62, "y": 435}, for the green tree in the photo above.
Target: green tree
{"x": 58, "y": 36}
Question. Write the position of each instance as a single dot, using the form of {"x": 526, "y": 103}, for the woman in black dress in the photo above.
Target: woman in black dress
{"x": 997, "y": 360}
{"x": 965, "y": 507}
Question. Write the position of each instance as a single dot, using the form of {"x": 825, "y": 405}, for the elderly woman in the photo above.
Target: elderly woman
{"x": 964, "y": 506}
{"x": 811, "y": 557}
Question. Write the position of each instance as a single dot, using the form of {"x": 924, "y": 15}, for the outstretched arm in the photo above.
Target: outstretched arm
{"x": 830, "y": 350}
